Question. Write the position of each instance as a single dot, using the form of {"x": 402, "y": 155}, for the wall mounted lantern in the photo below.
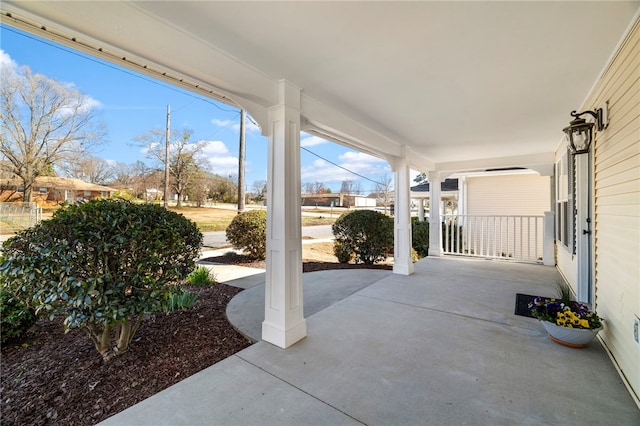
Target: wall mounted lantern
{"x": 580, "y": 132}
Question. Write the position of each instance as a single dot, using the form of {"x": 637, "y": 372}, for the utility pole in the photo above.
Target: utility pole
{"x": 166, "y": 158}
{"x": 241, "y": 155}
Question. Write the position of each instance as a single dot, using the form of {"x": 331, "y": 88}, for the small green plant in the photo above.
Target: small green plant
{"x": 366, "y": 233}
{"x": 201, "y": 276}
{"x": 15, "y": 317}
{"x": 248, "y": 231}
{"x": 181, "y": 300}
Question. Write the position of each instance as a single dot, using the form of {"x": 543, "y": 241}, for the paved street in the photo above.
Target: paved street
{"x": 219, "y": 239}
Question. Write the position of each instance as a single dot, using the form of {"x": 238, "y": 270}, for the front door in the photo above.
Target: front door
{"x": 584, "y": 226}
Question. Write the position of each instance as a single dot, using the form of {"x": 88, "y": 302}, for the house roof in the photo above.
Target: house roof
{"x": 447, "y": 186}
{"x": 450, "y": 86}
{"x": 63, "y": 183}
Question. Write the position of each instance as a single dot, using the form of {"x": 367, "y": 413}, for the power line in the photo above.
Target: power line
{"x": 339, "y": 166}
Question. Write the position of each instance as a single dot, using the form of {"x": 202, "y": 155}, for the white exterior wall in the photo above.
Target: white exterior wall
{"x": 617, "y": 206}
{"x": 514, "y": 194}
{"x": 509, "y": 195}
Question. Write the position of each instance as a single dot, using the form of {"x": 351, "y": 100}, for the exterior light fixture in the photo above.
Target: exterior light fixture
{"x": 580, "y": 132}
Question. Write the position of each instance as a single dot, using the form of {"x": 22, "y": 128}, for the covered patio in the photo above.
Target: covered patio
{"x": 437, "y": 87}
{"x": 439, "y": 347}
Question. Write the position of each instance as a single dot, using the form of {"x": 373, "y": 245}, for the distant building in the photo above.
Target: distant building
{"x": 53, "y": 189}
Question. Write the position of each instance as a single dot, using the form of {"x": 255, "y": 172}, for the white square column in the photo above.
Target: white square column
{"x": 402, "y": 262}
{"x": 435, "y": 228}
{"x": 284, "y": 322}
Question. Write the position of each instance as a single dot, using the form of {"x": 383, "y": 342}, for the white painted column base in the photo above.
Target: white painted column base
{"x": 274, "y": 334}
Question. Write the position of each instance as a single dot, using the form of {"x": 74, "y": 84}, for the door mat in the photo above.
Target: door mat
{"x": 522, "y": 305}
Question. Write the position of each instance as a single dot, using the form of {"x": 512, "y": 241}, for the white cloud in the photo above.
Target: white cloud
{"x": 6, "y": 63}
{"x": 249, "y": 125}
{"x": 363, "y": 164}
{"x": 217, "y": 154}
{"x": 307, "y": 140}
{"x": 213, "y": 148}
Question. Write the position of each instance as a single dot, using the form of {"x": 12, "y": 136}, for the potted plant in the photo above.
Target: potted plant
{"x": 568, "y": 322}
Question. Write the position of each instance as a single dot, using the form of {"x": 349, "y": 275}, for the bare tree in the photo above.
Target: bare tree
{"x": 186, "y": 158}
{"x": 383, "y": 190}
{"x": 259, "y": 190}
{"x": 41, "y": 120}
{"x": 87, "y": 168}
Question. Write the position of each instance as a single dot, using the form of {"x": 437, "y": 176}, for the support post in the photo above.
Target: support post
{"x": 402, "y": 262}
{"x": 284, "y": 322}
{"x": 435, "y": 228}
{"x": 421, "y": 209}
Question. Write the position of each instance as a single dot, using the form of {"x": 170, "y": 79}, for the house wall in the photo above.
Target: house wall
{"x": 617, "y": 206}
{"x": 616, "y": 209}
{"x": 513, "y": 194}
{"x": 508, "y": 195}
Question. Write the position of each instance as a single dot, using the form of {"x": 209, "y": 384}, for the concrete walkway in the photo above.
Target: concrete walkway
{"x": 439, "y": 347}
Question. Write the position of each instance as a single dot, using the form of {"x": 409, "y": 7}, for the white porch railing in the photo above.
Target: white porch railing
{"x": 501, "y": 237}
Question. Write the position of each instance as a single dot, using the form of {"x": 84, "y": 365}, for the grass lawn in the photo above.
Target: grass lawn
{"x": 207, "y": 218}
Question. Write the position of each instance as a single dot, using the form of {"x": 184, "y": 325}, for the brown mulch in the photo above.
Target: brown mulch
{"x": 232, "y": 258}
{"x": 52, "y": 378}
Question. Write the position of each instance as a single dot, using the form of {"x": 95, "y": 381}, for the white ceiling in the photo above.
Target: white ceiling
{"x": 449, "y": 83}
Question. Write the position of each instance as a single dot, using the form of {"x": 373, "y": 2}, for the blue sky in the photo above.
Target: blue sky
{"x": 131, "y": 104}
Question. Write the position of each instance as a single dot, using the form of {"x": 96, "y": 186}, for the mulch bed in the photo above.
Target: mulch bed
{"x": 232, "y": 258}
{"x": 52, "y": 378}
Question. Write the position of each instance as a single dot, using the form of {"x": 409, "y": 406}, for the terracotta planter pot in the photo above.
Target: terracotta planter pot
{"x": 571, "y": 337}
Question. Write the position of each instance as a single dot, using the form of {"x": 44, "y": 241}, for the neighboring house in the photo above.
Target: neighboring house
{"x": 54, "y": 189}
{"x": 448, "y": 196}
{"x": 337, "y": 200}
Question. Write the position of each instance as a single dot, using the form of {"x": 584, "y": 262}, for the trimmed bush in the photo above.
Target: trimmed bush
{"x": 15, "y": 317}
{"x": 420, "y": 236}
{"x": 102, "y": 265}
{"x": 248, "y": 232}
{"x": 365, "y": 233}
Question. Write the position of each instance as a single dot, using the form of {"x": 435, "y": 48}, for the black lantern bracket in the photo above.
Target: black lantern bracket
{"x": 580, "y": 132}
{"x": 601, "y": 116}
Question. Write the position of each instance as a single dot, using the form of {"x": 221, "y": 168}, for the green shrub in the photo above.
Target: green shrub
{"x": 15, "y": 317}
{"x": 366, "y": 233}
{"x": 342, "y": 252}
{"x": 201, "y": 276}
{"x": 181, "y": 300}
{"x": 248, "y": 231}
{"x": 420, "y": 236}
{"x": 102, "y": 265}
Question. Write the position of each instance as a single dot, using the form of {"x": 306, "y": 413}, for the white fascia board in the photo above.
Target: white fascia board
{"x": 540, "y": 162}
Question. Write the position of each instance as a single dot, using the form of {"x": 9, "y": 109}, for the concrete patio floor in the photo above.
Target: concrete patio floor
{"x": 439, "y": 347}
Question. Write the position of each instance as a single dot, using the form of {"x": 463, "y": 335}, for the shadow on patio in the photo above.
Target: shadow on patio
{"x": 441, "y": 346}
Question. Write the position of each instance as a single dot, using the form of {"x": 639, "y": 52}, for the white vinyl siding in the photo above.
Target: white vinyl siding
{"x": 617, "y": 206}
{"x": 518, "y": 194}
